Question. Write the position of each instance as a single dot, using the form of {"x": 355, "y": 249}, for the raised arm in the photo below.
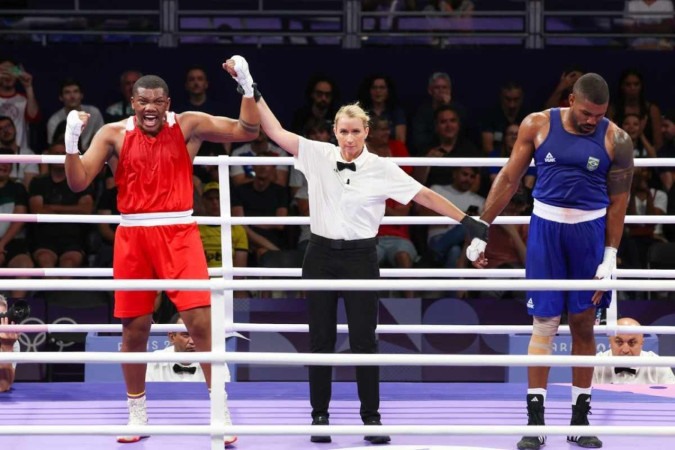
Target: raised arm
{"x": 81, "y": 171}
{"x": 284, "y": 139}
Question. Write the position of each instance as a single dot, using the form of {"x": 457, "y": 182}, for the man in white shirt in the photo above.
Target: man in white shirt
{"x": 630, "y": 345}
{"x": 71, "y": 95}
{"x": 181, "y": 342}
{"x": 9, "y": 342}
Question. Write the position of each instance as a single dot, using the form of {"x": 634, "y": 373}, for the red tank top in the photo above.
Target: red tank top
{"x": 154, "y": 174}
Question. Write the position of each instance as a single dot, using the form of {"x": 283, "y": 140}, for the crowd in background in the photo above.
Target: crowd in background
{"x": 438, "y": 127}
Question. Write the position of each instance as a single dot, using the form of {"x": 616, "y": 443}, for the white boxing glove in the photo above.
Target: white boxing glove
{"x": 608, "y": 265}
{"x": 474, "y": 249}
{"x": 243, "y": 77}
{"x": 74, "y": 127}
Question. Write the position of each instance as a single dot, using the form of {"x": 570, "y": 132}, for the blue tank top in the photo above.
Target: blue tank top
{"x": 572, "y": 168}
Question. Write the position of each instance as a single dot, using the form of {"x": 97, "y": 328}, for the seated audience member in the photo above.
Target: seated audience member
{"x": 504, "y": 151}
{"x": 181, "y": 342}
{"x": 14, "y": 251}
{"x": 71, "y": 95}
{"x": 262, "y": 198}
{"x": 23, "y": 172}
{"x": 107, "y": 205}
{"x": 122, "y": 109}
{"x": 559, "y": 98}
{"x": 377, "y": 95}
{"x": 9, "y": 342}
{"x": 58, "y": 244}
{"x": 394, "y": 247}
{"x": 666, "y": 174}
{"x": 452, "y": 144}
{"x": 630, "y": 344}
{"x": 246, "y": 174}
{"x": 321, "y": 100}
{"x": 447, "y": 241}
{"x": 509, "y": 110}
{"x": 211, "y": 234}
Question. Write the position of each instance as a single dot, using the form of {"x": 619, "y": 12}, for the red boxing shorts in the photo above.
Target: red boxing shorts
{"x": 155, "y": 252}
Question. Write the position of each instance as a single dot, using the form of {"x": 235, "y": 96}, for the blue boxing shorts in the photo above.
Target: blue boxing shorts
{"x": 563, "y": 251}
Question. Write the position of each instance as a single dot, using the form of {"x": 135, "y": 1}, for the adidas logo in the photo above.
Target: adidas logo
{"x": 530, "y": 304}
{"x": 549, "y": 158}
{"x": 534, "y": 400}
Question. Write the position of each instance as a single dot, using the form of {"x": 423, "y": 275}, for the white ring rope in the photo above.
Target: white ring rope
{"x": 342, "y": 430}
{"x": 219, "y": 284}
{"x": 341, "y": 328}
{"x": 292, "y": 220}
{"x": 334, "y": 359}
{"x": 289, "y": 161}
{"x": 102, "y": 272}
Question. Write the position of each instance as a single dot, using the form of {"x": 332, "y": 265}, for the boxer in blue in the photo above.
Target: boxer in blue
{"x": 584, "y": 170}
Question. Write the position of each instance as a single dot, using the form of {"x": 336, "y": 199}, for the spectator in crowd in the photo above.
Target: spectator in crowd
{"x": 58, "y": 244}
{"x": 650, "y": 17}
{"x": 9, "y": 342}
{"x": 196, "y": 86}
{"x": 262, "y": 198}
{"x": 510, "y": 110}
{"x": 631, "y": 99}
{"x": 181, "y": 342}
{"x": 122, "y": 108}
{"x": 377, "y": 95}
{"x": 321, "y": 98}
{"x": 668, "y": 149}
{"x": 394, "y": 247}
{"x": 644, "y": 201}
{"x": 630, "y": 344}
{"x": 423, "y": 134}
{"x": 447, "y": 241}
{"x": 211, "y": 234}
{"x": 23, "y": 172}
{"x": 21, "y": 107}
{"x": 510, "y": 136}
{"x": 71, "y": 95}
{"x": 559, "y": 98}
{"x": 107, "y": 205}
{"x": 246, "y": 174}
{"x": 634, "y": 126}
{"x": 452, "y": 144}
{"x": 14, "y": 251}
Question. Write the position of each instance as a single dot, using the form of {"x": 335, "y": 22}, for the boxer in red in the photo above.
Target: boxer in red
{"x": 151, "y": 155}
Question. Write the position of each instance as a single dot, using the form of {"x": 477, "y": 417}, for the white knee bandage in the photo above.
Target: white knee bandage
{"x": 544, "y": 330}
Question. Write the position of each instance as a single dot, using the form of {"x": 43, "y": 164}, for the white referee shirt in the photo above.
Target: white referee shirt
{"x": 163, "y": 371}
{"x": 350, "y": 204}
{"x": 643, "y": 375}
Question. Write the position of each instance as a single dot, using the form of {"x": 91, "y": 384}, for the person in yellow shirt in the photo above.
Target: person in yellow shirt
{"x": 210, "y": 234}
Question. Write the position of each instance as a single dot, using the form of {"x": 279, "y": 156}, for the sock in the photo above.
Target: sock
{"x": 577, "y": 391}
{"x": 537, "y": 391}
{"x": 135, "y": 396}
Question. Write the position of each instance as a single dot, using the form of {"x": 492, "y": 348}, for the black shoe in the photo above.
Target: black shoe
{"x": 376, "y": 439}
{"x": 580, "y": 413}
{"x": 535, "y": 416}
{"x": 320, "y": 420}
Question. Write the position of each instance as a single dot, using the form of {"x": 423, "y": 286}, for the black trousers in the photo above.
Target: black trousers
{"x": 330, "y": 259}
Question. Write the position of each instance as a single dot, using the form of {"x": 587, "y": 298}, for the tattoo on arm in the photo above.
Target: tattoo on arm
{"x": 621, "y": 171}
{"x": 249, "y": 127}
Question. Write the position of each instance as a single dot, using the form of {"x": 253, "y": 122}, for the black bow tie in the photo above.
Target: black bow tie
{"x": 351, "y": 166}
{"x": 177, "y": 368}
{"x": 618, "y": 370}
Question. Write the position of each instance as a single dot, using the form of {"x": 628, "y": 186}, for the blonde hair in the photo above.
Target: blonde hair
{"x": 352, "y": 111}
{"x": 3, "y": 301}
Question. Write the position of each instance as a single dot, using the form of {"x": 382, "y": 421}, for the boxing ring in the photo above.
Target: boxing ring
{"x": 433, "y": 416}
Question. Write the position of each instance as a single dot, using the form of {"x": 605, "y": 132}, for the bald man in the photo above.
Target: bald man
{"x": 630, "y": 344}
